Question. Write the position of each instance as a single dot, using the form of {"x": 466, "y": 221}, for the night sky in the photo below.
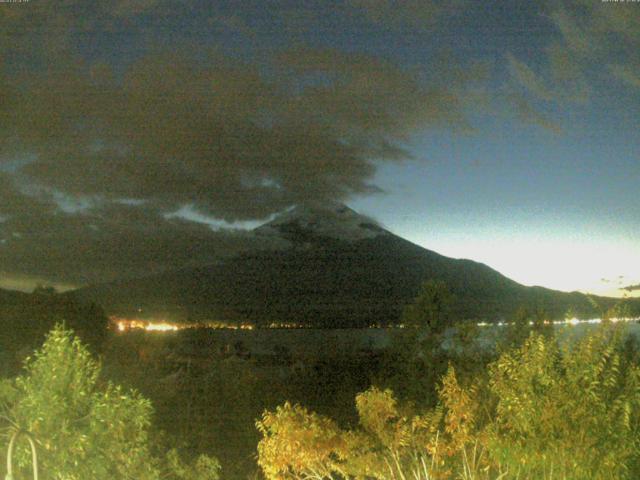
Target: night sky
{"x": 142, "y": 135}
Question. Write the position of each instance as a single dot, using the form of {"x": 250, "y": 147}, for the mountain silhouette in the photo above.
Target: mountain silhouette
{"x": 339, "y": 269}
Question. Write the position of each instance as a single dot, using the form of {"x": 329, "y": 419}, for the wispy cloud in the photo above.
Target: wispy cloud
{"x": 631, "y": 288}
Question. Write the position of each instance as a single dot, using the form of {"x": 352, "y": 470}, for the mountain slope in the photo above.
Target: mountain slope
{"x": 341, "y": 269}
{"x": 25, "y": 319}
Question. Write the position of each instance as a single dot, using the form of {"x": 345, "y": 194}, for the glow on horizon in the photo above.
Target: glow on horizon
{"x": 548, "y": 248}
{"x": 26, "y": 283}
{"x": 566, "y": 264}
{"x": 561, "y": 259}
{"x": 569, "y": 322}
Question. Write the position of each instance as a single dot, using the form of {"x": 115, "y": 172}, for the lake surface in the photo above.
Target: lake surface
{"x": 329, "y": 342}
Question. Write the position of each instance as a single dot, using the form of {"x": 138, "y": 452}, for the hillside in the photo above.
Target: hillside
{"x": 340, "y": 269}
{"x": 25, "y": 318}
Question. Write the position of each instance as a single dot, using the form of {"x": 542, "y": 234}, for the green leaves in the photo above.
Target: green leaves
{"x": 577, "y": 404}
{"x": 204, "y": 468}
{"x": 543, "y": 410}
{"x": 430, "y": 309}
{"x": 299, "y": 444}
{"x": 83, "y": 428}
{"x": 86, "y": 428}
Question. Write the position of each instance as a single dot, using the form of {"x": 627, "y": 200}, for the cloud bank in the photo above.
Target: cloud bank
{"x": 594, "y": 51}
{"x": 99, "y": 145}
{"x": 101, "y": 150}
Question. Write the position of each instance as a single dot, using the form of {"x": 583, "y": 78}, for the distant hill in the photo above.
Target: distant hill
{"x": 10, "y": 296}
{"x": 25, "y": 318}
{"x": 340, "y": 269}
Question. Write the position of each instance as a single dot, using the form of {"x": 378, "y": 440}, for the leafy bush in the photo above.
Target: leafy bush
{"x": 84, "y": 427}
{"x": 431, "y": 307}
{"x": 542, "y": 410}
{"x": 570, "y": 410}
{"x": 298, "y": 444}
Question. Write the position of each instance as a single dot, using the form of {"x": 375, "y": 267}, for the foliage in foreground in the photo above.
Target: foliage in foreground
{"x": 86, "y": 428}
{"x": 542, "y": 410}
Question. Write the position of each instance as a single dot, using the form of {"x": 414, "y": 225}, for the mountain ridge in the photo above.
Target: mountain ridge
{"x": 339, "y": 269}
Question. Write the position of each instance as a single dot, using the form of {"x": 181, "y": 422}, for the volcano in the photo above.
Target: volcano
{"x": 335, "y": 269}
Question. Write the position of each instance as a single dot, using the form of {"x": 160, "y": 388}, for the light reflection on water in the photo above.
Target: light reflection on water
{"x": 571, "y": 329}
{"x": 322, "y": 342}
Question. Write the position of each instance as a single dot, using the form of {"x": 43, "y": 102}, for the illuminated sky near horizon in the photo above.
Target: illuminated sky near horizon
{"x": 501, "y": 132}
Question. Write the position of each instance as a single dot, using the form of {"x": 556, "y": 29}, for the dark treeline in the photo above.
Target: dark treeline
{"x": 25, "y": 318}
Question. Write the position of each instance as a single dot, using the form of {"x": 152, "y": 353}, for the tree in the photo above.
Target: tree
{"x": 416, "y": 359}
{"x": 571, "y": 410}
{"x": 546, "y": 409}
{"x": 203, "y": 468}
{"x": 27, "y": 318}
{"x": 621, "y": 310}
{"x": 517, "y": 331}
{"x": 84, "y": 427}
{"x": 430, "y": 309}
{"x": 45, "y": 291}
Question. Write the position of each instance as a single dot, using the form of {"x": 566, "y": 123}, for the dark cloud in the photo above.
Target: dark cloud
{"x": 409, "y": 13}
{"x": 631, "y": 288}
{"x": 128, "y": 142}
{"x": 602, "y": 35}
{"x": 235, "y": 139}
{"x": 627, "y": 74}
{"x": 110, "y": 242}
{"x": 236, "y": 142}
{"x": 597, "y": 46}
{"x": 526, "y": 112}
{"x": 46, "y": 30}
{"x": 528, "y": 79}
{"x": 16, "y": 204}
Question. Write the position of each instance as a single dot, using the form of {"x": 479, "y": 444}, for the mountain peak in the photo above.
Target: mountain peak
{"x": 306, "y": 221}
